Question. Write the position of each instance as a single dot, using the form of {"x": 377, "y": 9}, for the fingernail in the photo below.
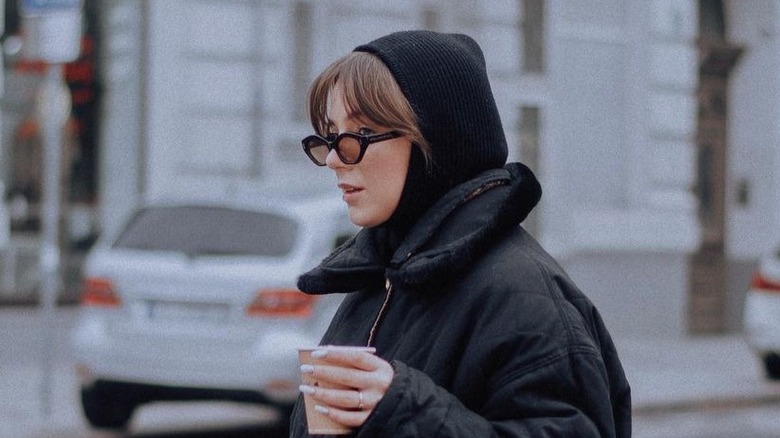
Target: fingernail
{"x": 321, "y": 409}
{"x": 318, "y": 354}
{"x": 306, "y": 389}
{"x": 306, "y": 368}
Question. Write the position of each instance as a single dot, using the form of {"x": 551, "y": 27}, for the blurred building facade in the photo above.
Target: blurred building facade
{"x": 652, "y": 125}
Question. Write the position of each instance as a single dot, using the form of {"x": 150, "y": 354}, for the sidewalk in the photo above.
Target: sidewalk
{"x": 695, "y": 373}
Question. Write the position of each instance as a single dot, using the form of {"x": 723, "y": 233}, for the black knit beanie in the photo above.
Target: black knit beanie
{"x": 445, "y": 80}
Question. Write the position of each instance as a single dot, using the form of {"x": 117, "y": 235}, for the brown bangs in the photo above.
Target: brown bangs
{"x": 370, "y": 91}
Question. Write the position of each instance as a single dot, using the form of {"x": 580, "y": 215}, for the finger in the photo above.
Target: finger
{"x": 346, "y": 399}
{"x": 347, "y": 418}
{"x": 363, "y": 360}
{"x": 378, "y": 380}
{"x": 338, "y": 375}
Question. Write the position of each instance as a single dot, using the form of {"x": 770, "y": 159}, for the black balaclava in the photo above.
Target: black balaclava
{"x": 445, "y": 80}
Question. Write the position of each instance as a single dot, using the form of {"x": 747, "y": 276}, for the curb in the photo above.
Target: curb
{"x": 711, "y": 404}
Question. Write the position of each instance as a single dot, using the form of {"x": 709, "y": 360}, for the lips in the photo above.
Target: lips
{"x": 350, "y": 193}
{"x": 349, "y": 189}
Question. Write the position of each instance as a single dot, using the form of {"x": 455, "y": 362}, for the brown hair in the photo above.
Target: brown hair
{"x": 370, "y": 90}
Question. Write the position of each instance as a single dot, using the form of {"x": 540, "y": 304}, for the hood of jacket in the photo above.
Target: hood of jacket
{"x": 446, "y": 239}
{"x": 445, "y": 80}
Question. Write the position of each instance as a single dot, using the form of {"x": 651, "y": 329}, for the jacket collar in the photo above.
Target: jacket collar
{"x": 446, "y": 239}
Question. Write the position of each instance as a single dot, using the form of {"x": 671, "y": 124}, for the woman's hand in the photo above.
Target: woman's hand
{"x": 363, "y": 376}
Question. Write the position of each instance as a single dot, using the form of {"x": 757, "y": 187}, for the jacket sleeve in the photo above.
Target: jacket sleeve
{"x": 548, "y": 401}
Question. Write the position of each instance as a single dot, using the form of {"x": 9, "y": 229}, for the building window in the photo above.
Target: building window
{"x": 712, "y": 23}
{"x": 430, "y": 18}
{"x": 529, "y": 129}
{"x": 532, "y": 35}
{"x": 303, "y": 41}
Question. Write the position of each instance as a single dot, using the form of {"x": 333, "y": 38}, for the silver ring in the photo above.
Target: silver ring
{"x": 360, "y": 400}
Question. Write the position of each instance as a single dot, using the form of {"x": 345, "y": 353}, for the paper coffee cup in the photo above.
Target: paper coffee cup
{"x": 320, "y": 424}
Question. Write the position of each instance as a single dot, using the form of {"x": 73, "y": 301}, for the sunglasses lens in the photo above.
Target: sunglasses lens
{"x": 348, "y": 149}
{"x": 317, "y": 148}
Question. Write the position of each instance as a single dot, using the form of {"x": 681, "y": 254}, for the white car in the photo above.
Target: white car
{"x": 198, "y": 301}
{"x": 762, "y": 313}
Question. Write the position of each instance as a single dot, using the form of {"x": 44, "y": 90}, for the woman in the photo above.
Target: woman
{"x": 478, "y": 332}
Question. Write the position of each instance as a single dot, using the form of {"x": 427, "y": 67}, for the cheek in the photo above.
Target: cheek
{"x": 392, "y": 188}
{"x": 395, "y": 171}
{"x": 383, "y": 194}
{"x": 388, "y": 178}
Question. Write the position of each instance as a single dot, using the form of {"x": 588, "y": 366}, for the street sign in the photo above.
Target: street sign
{"x": 47, "y": 6}
{"x": 52, "y": 30}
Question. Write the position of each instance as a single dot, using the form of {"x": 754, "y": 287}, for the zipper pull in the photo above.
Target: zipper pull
{"x": 380, "y": 314}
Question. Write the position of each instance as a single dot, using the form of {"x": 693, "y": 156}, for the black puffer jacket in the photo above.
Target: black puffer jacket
{"x": 487, "y": 334}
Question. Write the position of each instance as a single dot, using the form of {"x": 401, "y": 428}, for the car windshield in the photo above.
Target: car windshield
{"x": 202, "y": 231}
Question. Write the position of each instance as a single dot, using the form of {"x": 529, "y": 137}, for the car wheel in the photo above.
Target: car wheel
{"x": 772, "y": 365}
{"x": 104, "y": 409}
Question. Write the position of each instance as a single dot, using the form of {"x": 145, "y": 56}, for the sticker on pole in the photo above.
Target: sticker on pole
{"x": 51, "y": 30}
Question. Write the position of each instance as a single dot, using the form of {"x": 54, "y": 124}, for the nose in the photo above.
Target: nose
{"x": 332, "y": 160}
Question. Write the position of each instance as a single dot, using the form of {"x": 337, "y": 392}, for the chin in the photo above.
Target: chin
{"x": 361, "y": 219}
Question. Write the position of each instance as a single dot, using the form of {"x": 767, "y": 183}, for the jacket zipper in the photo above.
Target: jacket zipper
{"x": 389, "y": 286}
{"x": 380, "y": 314}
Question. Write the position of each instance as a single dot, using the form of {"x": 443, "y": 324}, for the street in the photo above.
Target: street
{"x": 23, "y": 403}
{"x": 26, "y": 413}
{"x": 197, "y": 420}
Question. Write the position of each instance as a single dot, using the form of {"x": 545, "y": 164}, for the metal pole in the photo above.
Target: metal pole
{"x": 52, "y": 115}
{"x": 52, "y": 33}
